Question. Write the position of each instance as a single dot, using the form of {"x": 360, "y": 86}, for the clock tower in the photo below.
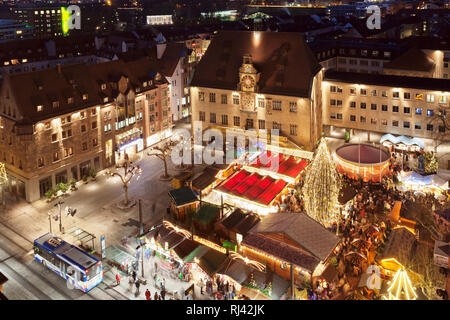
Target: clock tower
{"x": 248, "y": 75}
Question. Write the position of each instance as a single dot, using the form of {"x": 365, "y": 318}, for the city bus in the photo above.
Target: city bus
{"x": 80, "y": 269}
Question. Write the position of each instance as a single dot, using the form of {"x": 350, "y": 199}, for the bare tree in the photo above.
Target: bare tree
{"x": 163, "y": 152}
{"x": 129, "y": 171}
{"x": 429, "y": 278}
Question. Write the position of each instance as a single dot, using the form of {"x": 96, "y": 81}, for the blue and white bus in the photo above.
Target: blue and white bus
{"x": 80, "y": 269}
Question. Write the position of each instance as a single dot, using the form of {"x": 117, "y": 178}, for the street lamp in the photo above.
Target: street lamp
{"x": 59, "y": 203}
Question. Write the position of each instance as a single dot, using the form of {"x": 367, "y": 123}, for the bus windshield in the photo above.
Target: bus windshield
{"x": 93, "y": 271}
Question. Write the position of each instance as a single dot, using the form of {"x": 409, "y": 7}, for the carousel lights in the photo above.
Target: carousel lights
{"x": 403, "y": 284}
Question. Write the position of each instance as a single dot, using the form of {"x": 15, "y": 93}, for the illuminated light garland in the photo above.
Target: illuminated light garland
{"x": 256, "y": 264}
{"x": 178, "y": 230}
{"x": 402, "y": 286}
{"x": 322, "y": 186}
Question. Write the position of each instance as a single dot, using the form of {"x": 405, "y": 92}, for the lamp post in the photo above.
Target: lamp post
{"x": 50, "y": 220}
{"x": 59, "y": 203}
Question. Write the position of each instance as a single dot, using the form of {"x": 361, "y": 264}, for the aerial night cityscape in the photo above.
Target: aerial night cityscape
{"x": 224, "y": 150}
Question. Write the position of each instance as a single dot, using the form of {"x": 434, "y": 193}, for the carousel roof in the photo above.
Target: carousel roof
{"x": 362, "y": 153}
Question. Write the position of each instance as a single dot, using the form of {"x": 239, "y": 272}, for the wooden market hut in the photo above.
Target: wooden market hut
{"x": 235, "y": 223}
{"x": 205, "y": 181}
{"x": 399, "y": 249}
{"x": 283, "y": 239}
{"x": 205, "y": 218}
{"x": 183, "y": 201}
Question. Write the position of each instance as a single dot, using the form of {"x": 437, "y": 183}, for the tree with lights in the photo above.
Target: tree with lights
{"x": 322, "y": 184}
{"x": 129, "y": 171}
{"x": 401, "y": 287}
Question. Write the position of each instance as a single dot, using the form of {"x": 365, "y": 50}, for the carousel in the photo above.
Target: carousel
{"x": 362, "y": 161}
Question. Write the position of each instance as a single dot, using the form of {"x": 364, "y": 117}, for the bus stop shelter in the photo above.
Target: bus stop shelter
{"x": 83, "y": 236}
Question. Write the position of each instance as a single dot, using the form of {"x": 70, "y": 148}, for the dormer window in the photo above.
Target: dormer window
{"x": 105, "y": 99}
{"x": 144, "y": 84}
{"x": 85, "y": 96}
{"x": 40, "y": 87}
{"x": 39, "y": 108}
{"x": 69, "y": 100}
{"x": 55, "y": 104}
{"x": 103, "y": 86}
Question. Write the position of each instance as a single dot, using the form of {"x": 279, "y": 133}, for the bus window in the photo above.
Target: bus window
{"x": 93, "y": 271}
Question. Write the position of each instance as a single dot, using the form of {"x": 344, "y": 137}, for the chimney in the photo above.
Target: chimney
{"x": 160, "y": 48}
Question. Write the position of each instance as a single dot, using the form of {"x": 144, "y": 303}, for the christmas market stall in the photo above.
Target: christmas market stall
{"x": 431, "y": 183}
{"x": 236, "y": 225}
{"x": 183, "y": 201}
{"x": 363, "y": 161}
{"x": 203, "y": 220}
{"x": 206, "y": 181}
{"x": 283, "y": 239}
{"x": 398, "y": 250}
{"x": 252, "y": 191}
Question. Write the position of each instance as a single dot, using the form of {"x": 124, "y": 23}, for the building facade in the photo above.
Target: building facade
{"x": 262, "y": 81}
{"x": 78, "y": 118}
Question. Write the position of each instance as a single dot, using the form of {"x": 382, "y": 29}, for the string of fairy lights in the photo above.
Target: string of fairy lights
{"x": 321, "y": 188}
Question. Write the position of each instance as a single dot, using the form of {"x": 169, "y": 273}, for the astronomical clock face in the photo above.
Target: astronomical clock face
{"x": 248, "y": 104}
{"x": 248, "y": 82}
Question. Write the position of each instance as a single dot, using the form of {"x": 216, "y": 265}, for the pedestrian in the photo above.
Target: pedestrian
{"x": 201, "y": 289}
{"x": 131, "y": 282}
{"x": 134, "y": 276}
{"x": 148, "y": 295}
{"x": 138, "y": 284}
{"x": 117, "y": 278}
{"x": 163, "y": 294}
{"x": 155, "y": 296}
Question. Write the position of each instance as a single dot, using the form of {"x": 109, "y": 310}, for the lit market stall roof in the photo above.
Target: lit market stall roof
{"x": 278, "y": 165}
{"x": 403, "y": 140}
{"x": 252, "y": 186}
{"x": 399, "y": 249}
{"x": 413, "y": 179}
{"x": 303, "y": 230}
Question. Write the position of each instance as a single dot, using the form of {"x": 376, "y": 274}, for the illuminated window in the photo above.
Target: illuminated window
{"x": 419, "y": 111}
{"x": 442, "y": 99}
{"x": 225, "y": 119}
{"x": 430, "y": 112}
{"x": 39, "y": 108}
{"x": 419, "y": 96}
{"x": 384, "y": 122}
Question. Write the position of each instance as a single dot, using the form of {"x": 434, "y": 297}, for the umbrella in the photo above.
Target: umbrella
{"x": 356, "y": 255}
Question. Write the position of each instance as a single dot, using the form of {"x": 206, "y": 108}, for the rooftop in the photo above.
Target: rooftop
{"x": 300, "y": 228}
{"x": 275, "y": 55}
{"x": 391, "y": 81}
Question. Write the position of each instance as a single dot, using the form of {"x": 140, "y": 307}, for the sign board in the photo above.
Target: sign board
{"x": 103, "y": 246}
{"x": 189, "y": 290}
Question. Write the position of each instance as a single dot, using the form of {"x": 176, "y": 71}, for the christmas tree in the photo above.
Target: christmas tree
{"x": 322, "y": 184}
